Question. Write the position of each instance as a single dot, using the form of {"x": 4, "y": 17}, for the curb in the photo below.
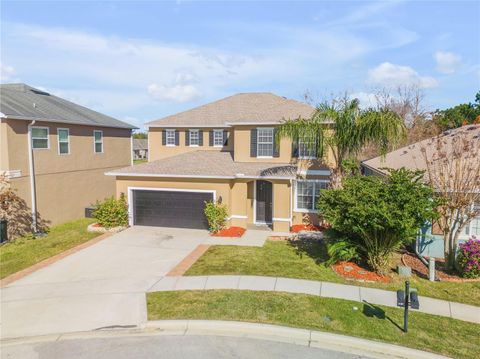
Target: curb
{"x": 304, "y": 337}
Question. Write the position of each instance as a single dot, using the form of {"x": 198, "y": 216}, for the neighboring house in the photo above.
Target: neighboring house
{"x": 431, "y": 242}
{"x": 226, "y": 151}
{"x": 66, "y": 146}
{"x": 140, "y": 148}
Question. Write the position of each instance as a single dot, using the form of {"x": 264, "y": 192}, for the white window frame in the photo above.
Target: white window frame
{"x": 299, "y": 150}
{"x": 95, "y": 142}
{"x": 59, "y": 142}
{"x": 38, "y": 138}
{"x": 190, "y": 137}
{"x": 467, "y": 231}
{"x": 169, "y": 132}
{"x": 265, "y": 143}
{"x": 304, "y": 210}
{"x": 215, "y": 133}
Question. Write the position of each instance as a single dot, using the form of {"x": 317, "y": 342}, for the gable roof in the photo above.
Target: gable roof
{"x": 207, "y": 164}
{"x": 140, "y": 143}
{"x": 23, "y": 102}
{"x": 411, "y": 157}
{"x": 242, "y": 108}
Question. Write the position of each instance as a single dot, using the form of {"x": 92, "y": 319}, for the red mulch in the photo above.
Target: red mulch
{"x": 421, "y": 270}
{"x": 230, "y": 232}
{"x": 350, "y": 270}
{"x": 96, "y": 225}
{"x": 305, "y": 227}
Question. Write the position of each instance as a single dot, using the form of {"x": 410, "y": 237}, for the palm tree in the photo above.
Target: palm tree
{"x": 342, "y": 128}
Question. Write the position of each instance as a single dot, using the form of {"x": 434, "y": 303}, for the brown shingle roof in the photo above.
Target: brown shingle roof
{"x": 411, "y": 156}
{"x": 207, "y": 164}
{"x": 260, "y": 107}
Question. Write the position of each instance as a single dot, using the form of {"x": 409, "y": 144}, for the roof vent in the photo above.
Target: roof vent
{"x": 34, "y": 105}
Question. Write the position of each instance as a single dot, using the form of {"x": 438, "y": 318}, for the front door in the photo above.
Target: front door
{"x": 264, "y": 202}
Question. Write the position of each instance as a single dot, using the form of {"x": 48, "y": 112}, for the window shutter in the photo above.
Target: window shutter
{"x": 210, "y": 138}
{"x": 295, "y": 149}
{"x": 187, "y": 138}
{"x": 253, "y": 142}
{"x": 276, "y": 144}
{"x": 225, "y": 137}
{"x": 177, "y": 138}
{"x": 200, "y": 137}
{"x": 164, "y": 137}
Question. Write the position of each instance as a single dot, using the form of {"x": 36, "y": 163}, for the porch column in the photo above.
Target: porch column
{"x": 281, "y": 206}
{"x": 238, "y": 204}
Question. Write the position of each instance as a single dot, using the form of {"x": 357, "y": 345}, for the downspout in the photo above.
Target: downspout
{"x": 33, "y": 190}
{"x": 291, "y": 202}
{"x": 131, "y": 147}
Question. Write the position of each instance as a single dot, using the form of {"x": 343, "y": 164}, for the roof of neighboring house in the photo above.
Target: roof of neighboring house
{"x": 140, "y": 144}
{"x": 207, "y": 164}
{"x": 246, "y": 108}
{"x": 411, "y": 156}
{"x": 23, "y": 102}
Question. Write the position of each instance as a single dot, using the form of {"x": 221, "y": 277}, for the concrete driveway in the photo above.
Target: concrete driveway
{"x": 101, "y": 286}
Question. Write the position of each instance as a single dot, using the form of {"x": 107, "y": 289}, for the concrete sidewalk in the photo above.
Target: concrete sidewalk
{"x": 387, "y": 298}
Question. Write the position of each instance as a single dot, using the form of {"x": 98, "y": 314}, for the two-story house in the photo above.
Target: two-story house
{"x": 226, "y": 151}
{"x": 55, "y": 152}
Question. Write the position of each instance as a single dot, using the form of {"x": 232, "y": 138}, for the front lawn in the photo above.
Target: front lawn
{"x": 139, "y": 162}
{"x": 426, "y": 332}
{"x": 305, "y": 260}
{"x": 25, "y": 252}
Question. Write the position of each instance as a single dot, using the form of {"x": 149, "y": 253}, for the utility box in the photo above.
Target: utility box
{"x": 3, "y": 231}
{"x": 89, "y": 212}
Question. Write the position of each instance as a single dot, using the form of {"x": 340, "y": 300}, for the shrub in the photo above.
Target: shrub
{"x": 469, "y": 258}
{"x": 112, "y": 212}
{"x": 216, "y": 214}
{"x": 374, "y": 216}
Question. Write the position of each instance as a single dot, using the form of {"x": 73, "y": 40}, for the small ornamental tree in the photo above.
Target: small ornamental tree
{"x": 372, "y": 217}
{"x": 112, "y": 212}
{"x": 453, "y": 171}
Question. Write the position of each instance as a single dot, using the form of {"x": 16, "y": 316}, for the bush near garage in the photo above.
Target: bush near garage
{"x": 216, "y": 214}
{"x": 469, "y": 258}
{"x": 112, "y": 212}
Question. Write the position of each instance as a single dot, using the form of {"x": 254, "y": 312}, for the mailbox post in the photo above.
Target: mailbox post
{"x": 407, "y": 299}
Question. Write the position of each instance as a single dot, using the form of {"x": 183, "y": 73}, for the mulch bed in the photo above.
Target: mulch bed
{"x": 296, "y": 228}
{"x": 230, "y": 232}
{"x": 421, "y": 270}
{"x": 353, "y": 271}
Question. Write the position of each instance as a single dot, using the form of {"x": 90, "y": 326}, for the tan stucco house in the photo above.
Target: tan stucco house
{"x": 66, "y": 147}
{"x": 225, "y": 151}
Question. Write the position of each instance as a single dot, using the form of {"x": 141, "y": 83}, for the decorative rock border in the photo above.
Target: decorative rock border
{"x": 95, "y": 227}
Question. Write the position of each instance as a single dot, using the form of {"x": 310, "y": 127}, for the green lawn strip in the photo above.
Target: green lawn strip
{"x": 139, "y": 162}
{"x": 25, "y": 252}
{"x": 305, "y": 261}
{"x": 426, "y": 332}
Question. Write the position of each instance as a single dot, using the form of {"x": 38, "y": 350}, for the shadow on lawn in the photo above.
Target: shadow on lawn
{"x": 371, "y": 311}
{"x": 311, "y": 246}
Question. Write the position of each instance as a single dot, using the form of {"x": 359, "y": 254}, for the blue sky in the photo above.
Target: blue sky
{"x": 139, "y": 61}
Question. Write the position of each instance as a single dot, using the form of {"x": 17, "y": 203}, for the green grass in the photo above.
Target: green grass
{"x": 25, "y": 252}
{"x": 139, "y": 162}
{"x": 426, "y": 332}
{"x": 305, "y": 260}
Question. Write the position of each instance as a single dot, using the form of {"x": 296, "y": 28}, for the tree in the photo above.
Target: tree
{"x": 463, "y": 114}
{"x": 372, "y": 216}
{"x": 141, "y": 135}
{"x": 343, "y": 129}
{"x": 452, "y": 161}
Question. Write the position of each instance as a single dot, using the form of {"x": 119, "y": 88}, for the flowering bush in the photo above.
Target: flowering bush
{"x": 469, "y": 258}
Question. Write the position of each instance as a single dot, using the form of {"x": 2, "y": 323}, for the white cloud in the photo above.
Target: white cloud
{"x": 447, "y": 62}
{"x": 7, "y": 73}
{"x": 392, "y": 75}
{"x": 367, "y": 99}
{"x": 176, "y": 93}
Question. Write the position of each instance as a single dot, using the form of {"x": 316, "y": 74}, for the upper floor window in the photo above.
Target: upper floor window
{"x": 98, "y": 141}
{"x": 307, "y": 193}
{"x": 194, "y": 138}
{"x": 218, "y": 138}
{"x": 170, "y": 137}
{"x": 265, "y": 139}
{"x": 306, "y": 147}
{"x": 40, "y": 138}
{"x": 63, "y": 141}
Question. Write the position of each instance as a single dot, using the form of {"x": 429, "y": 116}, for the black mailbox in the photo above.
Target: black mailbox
{"x": 414, "y": 303}
{"x": 400, "y": 298}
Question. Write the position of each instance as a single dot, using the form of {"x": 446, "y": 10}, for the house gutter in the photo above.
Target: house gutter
{"x": 33, "y": 190}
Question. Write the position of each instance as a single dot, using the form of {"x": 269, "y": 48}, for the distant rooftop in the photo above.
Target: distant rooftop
{"x": 140, "y": 143}
{"x": 254, "y": 107}
{"x": 23, "y": 102}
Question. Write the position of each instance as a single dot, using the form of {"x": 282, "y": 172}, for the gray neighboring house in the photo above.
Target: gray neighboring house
{"x": 140, "y": 148}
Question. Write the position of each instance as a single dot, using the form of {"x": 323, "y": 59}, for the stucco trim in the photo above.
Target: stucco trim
{"x": 281, "y": 219}
{"x": 163, "y": 175}
{"x": 42, "y": 119}
{"x": 131, "y": 189}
